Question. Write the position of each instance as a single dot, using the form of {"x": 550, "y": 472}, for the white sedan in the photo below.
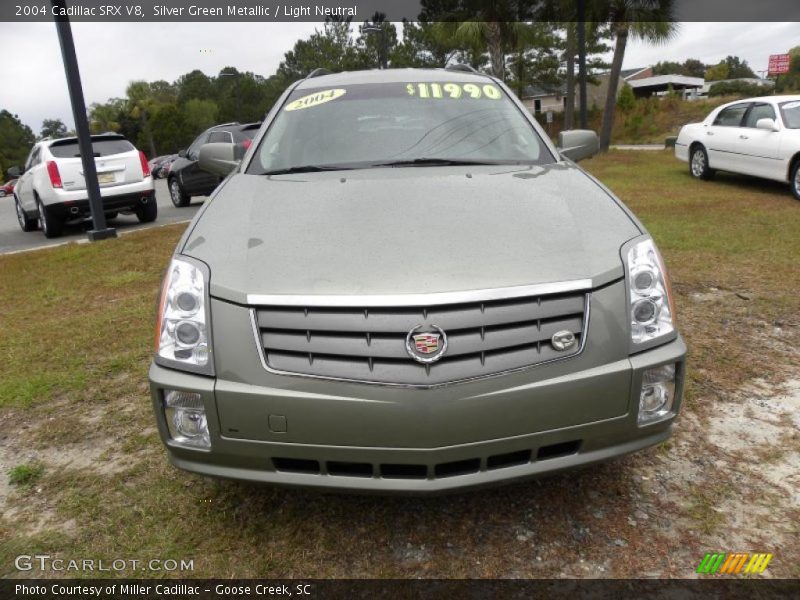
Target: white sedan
{"x": 757, "y": 136}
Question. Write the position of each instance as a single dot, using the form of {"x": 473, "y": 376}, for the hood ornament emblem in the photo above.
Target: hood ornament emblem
{"x": 426, "y": 347}
{"x": 563, "y": 340}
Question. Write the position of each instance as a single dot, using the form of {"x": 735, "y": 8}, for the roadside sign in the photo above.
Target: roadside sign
{"x": 549, "y": 116}
{"x": 778, "y": 64}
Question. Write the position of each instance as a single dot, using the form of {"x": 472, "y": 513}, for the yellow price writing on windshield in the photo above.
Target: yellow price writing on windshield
{"x": 453, "y": 90}
{"x": 315, "y": 99}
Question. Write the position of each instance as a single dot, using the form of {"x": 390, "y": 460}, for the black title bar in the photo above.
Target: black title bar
{"x": 163, "y": 11}
{"x": 394, "y": 589}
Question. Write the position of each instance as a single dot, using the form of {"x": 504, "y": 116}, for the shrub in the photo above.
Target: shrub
{"x": 626, "y": 100}
{"x": 737, "y": 88}
{"x": 633, "y": 127}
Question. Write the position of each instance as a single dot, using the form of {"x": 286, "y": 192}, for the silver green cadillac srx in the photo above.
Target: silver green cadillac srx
{"x": 404, "y": 286}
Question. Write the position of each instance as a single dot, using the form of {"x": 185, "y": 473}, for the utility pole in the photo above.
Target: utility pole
{"x": 581, "y": 24}
{"x": 99, "y": 229}
{"x": 383, "y": 62}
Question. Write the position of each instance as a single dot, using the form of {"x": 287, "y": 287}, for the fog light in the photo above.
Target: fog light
{"x": 186, "y": 419}
{"x": 657, "y": 395}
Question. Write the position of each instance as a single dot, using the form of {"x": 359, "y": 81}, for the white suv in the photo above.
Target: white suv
{"x": 51, "y": 189}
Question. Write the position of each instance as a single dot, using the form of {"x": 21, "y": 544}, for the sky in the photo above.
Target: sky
{"x": 110, "y": 55}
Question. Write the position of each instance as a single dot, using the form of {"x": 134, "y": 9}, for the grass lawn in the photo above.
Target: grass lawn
{"x": 85, "y": 476}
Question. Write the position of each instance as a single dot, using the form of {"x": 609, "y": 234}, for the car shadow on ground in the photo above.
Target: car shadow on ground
{"x": 533, "y": 521}
{"x": 749, "y": 183}
{"x": 121, "y": 222}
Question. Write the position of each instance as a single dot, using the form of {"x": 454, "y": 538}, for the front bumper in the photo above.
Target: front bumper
{"x": 403, "y": 465}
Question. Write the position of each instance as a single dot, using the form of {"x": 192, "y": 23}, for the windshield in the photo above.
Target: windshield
{"x": 364, "y": 125}
{"x": 791, "y": 114}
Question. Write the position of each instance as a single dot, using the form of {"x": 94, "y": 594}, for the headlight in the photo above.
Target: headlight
{"x": 183, "y": 336}
{"x": 650, "y": 299}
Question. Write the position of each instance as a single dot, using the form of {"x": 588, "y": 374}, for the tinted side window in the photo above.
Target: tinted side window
{"x": 195, "y": 147}
{"x": 759, "y": 111}
{"x": 248, "y": 133}
{"x": 731, "y": 116}
{"x": 219, "y": 136}
{"x": 791, "y": 114}
{"x": 33, "y": 158}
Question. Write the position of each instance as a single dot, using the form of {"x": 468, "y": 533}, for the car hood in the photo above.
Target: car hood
{"x": 411, "y": 230}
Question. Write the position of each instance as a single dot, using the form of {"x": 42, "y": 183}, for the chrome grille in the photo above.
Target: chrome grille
{"x": 368, "y": 344}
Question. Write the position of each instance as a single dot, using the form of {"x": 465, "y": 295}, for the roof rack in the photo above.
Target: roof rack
{"x": 318, "y": 72}
{"x": 461, "y": 67}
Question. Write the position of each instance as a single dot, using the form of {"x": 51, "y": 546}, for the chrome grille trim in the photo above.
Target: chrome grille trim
{"x": 327, "y": 360}
{"x": 400, "y": 300}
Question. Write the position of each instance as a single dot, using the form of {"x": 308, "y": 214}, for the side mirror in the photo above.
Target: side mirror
{"x": 15, "y": 172}
{"x": 218, "y": 158}
{"x": 182, "y": 153}
{"x": 577, "y": 144}
{"x": 768, "y": 124}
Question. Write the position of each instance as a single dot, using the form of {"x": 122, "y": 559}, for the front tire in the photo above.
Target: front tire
{"x": 147, "y": 213}
{"x": 25, "y": 223}
{"x": 794, "y": 179}
{"x": 177, "y": 195}
{"x": 698, "y": 163}
{"x": 52, "y": 226}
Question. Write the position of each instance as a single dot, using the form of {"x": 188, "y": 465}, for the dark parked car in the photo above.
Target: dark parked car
{"x": 159, "y": 166}
{"x": 186, "y": 179}
{"x": 164, "y": 168}
{"x": 7, "y": 188}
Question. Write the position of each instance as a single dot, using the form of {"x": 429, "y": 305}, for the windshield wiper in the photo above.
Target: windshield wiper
{"x": 434, "y": 162}
{"x": 306, "y": 169}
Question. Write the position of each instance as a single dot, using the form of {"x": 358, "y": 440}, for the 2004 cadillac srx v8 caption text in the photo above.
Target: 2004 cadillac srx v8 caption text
{"x": 404, "y": 286}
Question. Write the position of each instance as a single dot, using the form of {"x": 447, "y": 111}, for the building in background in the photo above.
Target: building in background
{"x": 540, "y": 99}
{"x": 659, "y": 85}
{"x": 596, "y": 93}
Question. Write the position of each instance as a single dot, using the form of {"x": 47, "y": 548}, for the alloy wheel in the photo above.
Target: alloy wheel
{"x": 20, "y": 213}
{"x": 42, "y": 219}
{"x": 797, "y": 182}
{"x": 175, "y": 192}
{"x": 698, "y": 163}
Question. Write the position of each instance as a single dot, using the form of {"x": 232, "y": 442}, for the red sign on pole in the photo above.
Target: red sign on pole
{"x": 778, "y": 63}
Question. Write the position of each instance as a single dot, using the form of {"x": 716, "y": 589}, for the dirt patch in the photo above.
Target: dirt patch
{"x": 730, "y": 482}
{"x": 31, "y": 507}
{"x": 760, "y": 431}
